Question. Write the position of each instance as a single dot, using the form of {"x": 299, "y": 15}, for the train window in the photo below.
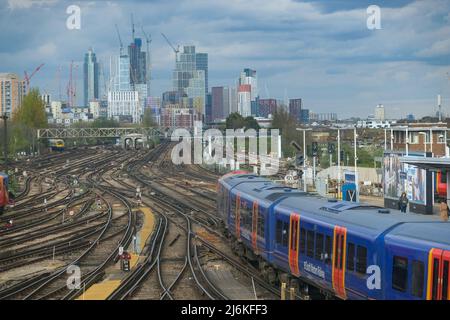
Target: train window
{"x": 302, "y": 240}
{"x": 261, "y": 224}
{"x": 328, "y": 247}
{"x": 278, "y": 231}
{"x": 417, "y": 278}
{"x": 285, "y": 234}
{"x": 361, "y": 259}
{"x": 233, "y": 207}
{"x": 351, "y": 257}
{"x": 246, "y": 214}
{"x": 399, "y": 273}
{"x": 310, "y": 244}
{"x": 294, "y": 235}
{"x": 319, "y": 246}
{"x": 445, "y": 281}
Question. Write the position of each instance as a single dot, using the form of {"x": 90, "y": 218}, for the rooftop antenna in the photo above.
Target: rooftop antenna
{"x": 120, "y": 40}
{"x": 132, "y": 28}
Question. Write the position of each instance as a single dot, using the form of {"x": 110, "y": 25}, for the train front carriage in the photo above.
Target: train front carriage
{"x": 417, "y": 262}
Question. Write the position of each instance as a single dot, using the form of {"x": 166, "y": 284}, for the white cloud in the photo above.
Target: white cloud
{"x": 26, "y": 4}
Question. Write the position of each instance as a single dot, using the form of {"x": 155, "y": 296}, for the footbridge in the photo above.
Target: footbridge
{"x": 127, "y": 135}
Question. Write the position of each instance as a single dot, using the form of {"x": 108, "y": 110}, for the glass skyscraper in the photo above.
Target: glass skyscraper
{"x": 91, "y": 77}
{"x": 190, "y": 76}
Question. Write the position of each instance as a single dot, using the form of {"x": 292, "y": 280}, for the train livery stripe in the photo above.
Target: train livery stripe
{"x": 339, "y": 261}
{"x": 238, "y": 216}
{"x": 430, "y": 275}
{"x": 294, "y": 228}
{"x": 255, "y": 226}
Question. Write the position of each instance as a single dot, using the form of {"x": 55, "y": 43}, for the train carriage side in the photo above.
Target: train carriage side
{"x": 226, "y": 197}
{"x": 255, "y": 207}
{"x": 314, "y": 242}
{"x": 417, "y": 262}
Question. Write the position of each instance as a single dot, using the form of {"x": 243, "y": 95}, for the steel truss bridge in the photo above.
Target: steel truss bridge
{"x": 73, "y": 133}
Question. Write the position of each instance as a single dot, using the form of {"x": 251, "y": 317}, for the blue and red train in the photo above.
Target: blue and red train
{"x": 335, "y": 248}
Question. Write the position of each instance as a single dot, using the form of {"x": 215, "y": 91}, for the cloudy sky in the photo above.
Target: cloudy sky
{"x": 321, "y": 51}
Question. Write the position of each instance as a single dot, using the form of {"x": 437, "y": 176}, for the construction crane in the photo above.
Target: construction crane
{"x": 71, "y": 87}
{"x": 148, "y": 40}
{"x": 120, "y": 39}
{"x": 28, "y": 78}
{"x": 173, "y": 48}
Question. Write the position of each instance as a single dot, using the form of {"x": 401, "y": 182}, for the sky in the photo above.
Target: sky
{"x": 320, "y": 51}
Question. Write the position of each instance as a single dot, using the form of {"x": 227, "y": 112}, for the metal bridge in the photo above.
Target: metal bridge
{"x": 68, "y": 133}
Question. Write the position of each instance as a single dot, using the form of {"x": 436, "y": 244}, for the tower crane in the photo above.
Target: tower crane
{"x": 120, "y": 40}
{"x": 28, "y": 78}
{"x": 173, "y": 48}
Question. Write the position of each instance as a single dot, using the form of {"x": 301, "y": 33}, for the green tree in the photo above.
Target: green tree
{"x": 251, "y": 123}
{"x": 287, "y": 124}
{"x": 147, "y": 120}
{"x": 235, "y": 121}
{"x": 28, "y": 117}
{"x": 32, "y": 111}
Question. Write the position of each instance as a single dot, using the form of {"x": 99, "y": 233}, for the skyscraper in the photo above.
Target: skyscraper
{"x": 244, "y": 100}
{"x": 120, "y": 73}
{"x": 379, "y": 112}
{"x": 12, "y": 91}
{"x": 91, "y": 77}
{"x": 248, "y": 77}
{"x": 295, "y": 107}
{"x": 189, "y": 78}
{"x": 138, "y": 62}
{"x": 201, "y": 63}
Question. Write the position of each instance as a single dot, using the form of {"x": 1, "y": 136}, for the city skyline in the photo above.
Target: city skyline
{"x": 321, "y": 52}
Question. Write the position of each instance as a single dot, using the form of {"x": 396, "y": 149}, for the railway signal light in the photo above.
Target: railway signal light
{"x": 299, "y": 160}
{"x": 330, "y": 148}
{"x": 315, "y": 149}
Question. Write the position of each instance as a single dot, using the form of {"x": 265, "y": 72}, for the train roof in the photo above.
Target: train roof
{"x": 369, "y": 220}
{"x": 438, "y": 232}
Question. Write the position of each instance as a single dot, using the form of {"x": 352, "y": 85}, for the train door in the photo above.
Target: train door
{"x": 339, "y": 257}
{"x": 255, "y": 213}
{"x": 438, "y": 275}
{"x": 294, "y": 232}
{"x": 238, "y": 217}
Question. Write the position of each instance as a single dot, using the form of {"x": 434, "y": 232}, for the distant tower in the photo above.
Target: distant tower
{"x": 379, "y": 112}
{"x": 91, "y": 77}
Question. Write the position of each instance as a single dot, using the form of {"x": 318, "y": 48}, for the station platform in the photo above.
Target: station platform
{"x": 102, "y": 290}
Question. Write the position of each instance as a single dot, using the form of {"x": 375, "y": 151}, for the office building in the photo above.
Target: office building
{"x": 379, "y": 112}
{"x": 12, "y": 91}
{"x": 124, "y": 105}
{"x": 244, "y": 100}
{"x": 266, "y": 107}
{"x": 295, "y": 107}
{"x": 91, "y": 77}
{"x": 248, "y": 77}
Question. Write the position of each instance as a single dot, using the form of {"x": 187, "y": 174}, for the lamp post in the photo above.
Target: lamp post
{"x": 304, "y": 154}
{"x": 4, "y": 117}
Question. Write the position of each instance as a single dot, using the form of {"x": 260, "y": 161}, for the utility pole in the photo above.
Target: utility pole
{"x": 4, "y": 117}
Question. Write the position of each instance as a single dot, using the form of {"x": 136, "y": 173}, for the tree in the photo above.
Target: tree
{"x": 251, "y": 123}
{"x": 235, "y": 121}
{"x": 25, "y": 120}
{"x": 147, "y": 119}
{"x": 287, "y": 124}
{"x": 32, "y": 111}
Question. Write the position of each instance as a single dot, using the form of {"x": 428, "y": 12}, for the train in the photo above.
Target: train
{"x": 4, "y": 194}
{"x": 56, "y": 144}
{"x": 334, "y": 249}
